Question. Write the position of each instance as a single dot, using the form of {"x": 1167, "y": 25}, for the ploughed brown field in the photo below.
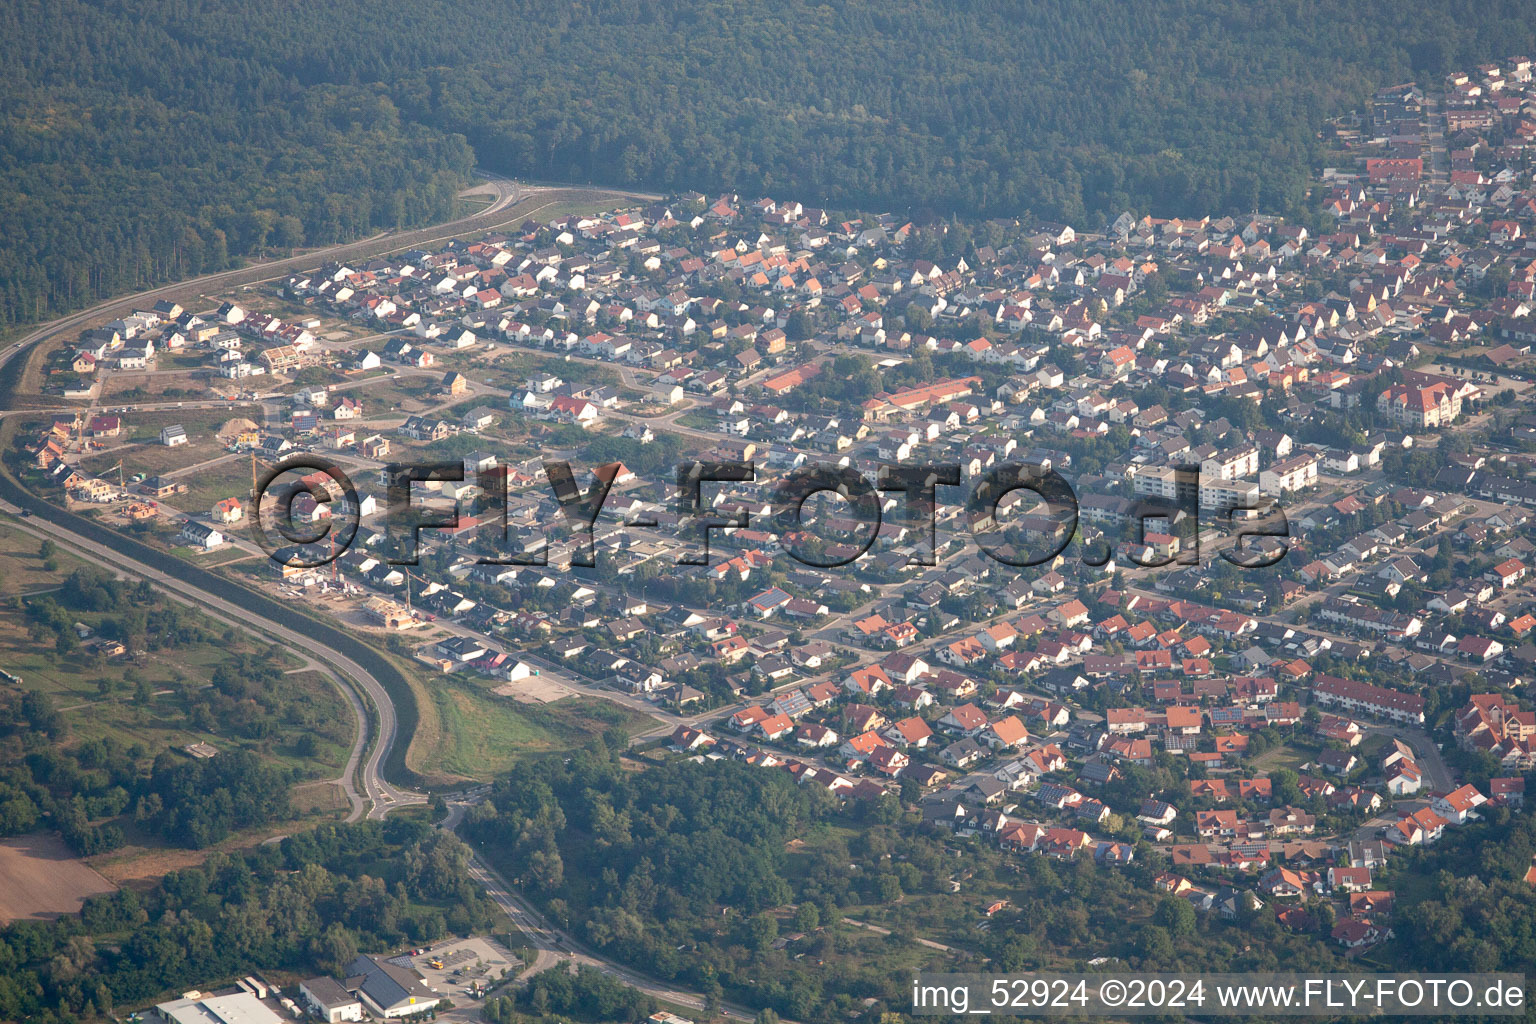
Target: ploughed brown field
{"x": 40, "y": 878}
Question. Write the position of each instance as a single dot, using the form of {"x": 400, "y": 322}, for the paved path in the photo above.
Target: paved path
{"x": 509, "y": 195}
{"x": 377, "y": 796}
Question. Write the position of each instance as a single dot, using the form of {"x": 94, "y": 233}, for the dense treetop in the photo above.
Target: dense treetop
{"x": 693, "y": 871}
{"x": 159, "y": 139}
{"x": 311, "y": 903}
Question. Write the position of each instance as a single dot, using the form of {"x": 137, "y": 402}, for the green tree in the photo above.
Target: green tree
{"x": 1175, "y": 915}
{"x": 1155, "y": 945}
{"x": 762, "y": 930}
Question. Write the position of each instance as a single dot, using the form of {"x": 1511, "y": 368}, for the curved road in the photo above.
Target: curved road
{"x": 347, "y": 780}
{"x": 508, "y": 193}
{"x": 553, "y": 947}
{"x": 378, "y": 797}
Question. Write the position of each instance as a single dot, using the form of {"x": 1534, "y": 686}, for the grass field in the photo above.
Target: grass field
{"x": 194, "y": 360}
{"x": 510, "y": 366}
{"x": 21, "y": 568}
{"x": 578, "y": 207}
{"x": 212, "y": 484}
{"x": 1283, "y": 756}
{"x": 224, "y": 556}
{"x": 43, "y": 880}
{"x": 385, "y": 396}
{"x": 200, "y": 423}
{"x": 152, "y": 458}
{"x": 468, "y": 732}
{"x": 468, "y": 206}
{"x": 145, "y": 454}
{"x": 101, "y": 696}
{"x": 168, "y": 384}
{"x": 319, "y": 798}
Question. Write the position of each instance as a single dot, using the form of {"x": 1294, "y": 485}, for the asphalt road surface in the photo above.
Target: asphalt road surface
{"x": 377, "y": 797}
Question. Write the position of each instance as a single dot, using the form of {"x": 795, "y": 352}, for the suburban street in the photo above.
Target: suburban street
{"x": 678, "y": 517}
{"x": 377, "y": 797}
{"x": 368, "y": 793}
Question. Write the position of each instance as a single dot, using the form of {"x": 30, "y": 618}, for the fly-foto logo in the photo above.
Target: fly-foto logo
{"x": 323, "y": 538}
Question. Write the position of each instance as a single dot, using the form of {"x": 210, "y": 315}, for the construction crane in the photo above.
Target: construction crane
{"x": 335, "y": 566}
{"x": 408, "y": 577}
{"x": 119, "y": 467}
{"x": 254, "y": 461}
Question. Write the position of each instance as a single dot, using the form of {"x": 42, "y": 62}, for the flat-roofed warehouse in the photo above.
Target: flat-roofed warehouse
{"x": 237, "y": 1008}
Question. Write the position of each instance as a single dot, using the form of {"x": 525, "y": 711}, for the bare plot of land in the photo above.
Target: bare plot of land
{"x": 40, "y": 879}
{"x": 322, "y": 796}
{"x": 534, "y": 690}
{"x": 178, "y": 381}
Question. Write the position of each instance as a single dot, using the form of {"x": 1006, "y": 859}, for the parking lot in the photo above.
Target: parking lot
{"x": 468, "y": 966}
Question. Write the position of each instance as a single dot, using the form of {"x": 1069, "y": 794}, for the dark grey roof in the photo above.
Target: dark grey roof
{"x": 385, "y": 984}
{"x": 328, "y": 992}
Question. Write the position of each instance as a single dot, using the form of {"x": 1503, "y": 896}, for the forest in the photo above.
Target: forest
{"x": 703, "y": 874}
{"x": 1478, "y": 913}
{"x": 153, "y": 141}
{"x": 309, "y": 904}
{"x": 737, "y": 881}
{"x": 137, "y": 148}
{"x": 588, "y": 995}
